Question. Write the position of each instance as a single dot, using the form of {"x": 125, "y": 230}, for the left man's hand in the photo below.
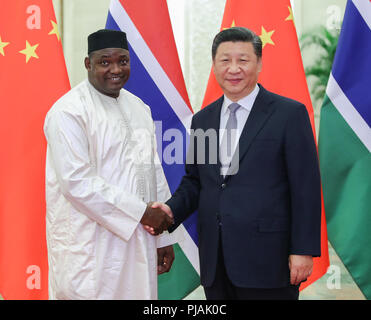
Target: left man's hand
{"x": 156, "y": 219}
{"x": 300, "y": 268}
{"x": 165, "y": 208}
{"x": 165, "y": 258}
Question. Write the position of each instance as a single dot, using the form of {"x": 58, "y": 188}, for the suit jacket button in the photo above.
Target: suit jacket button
{"x": 223, "y": 185}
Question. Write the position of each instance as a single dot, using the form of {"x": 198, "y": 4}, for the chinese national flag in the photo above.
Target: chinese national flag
{"x": 282, "y": 72}
{"x": 32, "y": 77}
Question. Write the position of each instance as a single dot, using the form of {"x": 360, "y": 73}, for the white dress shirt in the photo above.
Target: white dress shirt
{"x": 242, "y": 113}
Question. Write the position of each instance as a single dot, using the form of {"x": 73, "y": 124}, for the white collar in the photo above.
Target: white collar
{"x": 246, "y": 102}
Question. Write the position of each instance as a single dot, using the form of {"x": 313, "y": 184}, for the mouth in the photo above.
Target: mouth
{"x": 234, "y": 81}
{"x": 115, "y": 79}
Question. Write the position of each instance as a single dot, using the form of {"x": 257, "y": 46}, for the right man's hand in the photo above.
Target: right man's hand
{"x": 156, "y": 219}
{"x": 301, "y": 267}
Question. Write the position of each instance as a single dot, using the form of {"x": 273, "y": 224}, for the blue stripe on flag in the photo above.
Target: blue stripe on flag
{"x": 170, "y": 123}
{"x": 352, "y": 63}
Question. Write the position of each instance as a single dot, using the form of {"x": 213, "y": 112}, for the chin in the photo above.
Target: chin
{"x": 116, "y": 88}
{"x": 112, "y": 92}
{"x": 235, "y": 92}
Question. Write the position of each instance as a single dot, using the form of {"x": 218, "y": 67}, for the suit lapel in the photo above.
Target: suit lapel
{"x": 259, "y": 114}
{"x": 215, "y": 125}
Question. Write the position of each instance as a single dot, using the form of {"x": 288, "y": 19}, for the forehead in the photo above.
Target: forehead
{"x": 110, "y": 52}
{"x": 235, "y": 47}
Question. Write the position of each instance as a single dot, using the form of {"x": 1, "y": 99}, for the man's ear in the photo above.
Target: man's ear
{"x": 87, "y": 63}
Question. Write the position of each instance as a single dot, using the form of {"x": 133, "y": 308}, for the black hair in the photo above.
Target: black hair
{"x": 236, "y": 34}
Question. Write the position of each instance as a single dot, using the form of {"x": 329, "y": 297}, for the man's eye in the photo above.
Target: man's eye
{"x": 124, "y": 62}
{"x": 104, "y": 62}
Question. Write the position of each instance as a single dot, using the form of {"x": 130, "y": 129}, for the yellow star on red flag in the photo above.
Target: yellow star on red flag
{"x": 2, "y": 46}
{"x": 30, "y": 51}
{"x": 290, "y": 16}
{"x": 266, "y": 37}
{"x": 54, "y": 30}
{"x": 232, "y": 25}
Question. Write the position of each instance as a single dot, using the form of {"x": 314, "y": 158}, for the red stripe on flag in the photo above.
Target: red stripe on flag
{"x": 144, "y": 20}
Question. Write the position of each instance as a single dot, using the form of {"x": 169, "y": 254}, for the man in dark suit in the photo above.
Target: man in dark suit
{"x": 259, "y": 202}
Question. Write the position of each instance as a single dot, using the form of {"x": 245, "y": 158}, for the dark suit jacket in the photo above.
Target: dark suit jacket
{"x": 270, "y": 209}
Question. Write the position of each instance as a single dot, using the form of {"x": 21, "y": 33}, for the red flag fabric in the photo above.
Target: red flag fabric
{"x": 33, "y": 76}
{"x": 282, "y": 72}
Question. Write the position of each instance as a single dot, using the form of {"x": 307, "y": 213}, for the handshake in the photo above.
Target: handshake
{"x": 157, "y": 218}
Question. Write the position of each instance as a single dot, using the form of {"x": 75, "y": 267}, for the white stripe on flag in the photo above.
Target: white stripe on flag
{"x": 151, "y": 64}
{"x": 364, "y": 8}
{"x": 189, "y": 247}
{"x": 349, "y": 113}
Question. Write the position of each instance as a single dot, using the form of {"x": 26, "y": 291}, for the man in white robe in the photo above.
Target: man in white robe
{"x": 102, "y": 170}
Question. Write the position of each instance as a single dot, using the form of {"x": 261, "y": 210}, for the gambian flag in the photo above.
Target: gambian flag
{"x": 156, "y": 78}
{"x": 345, "y": 145}
{"x": 282, "y": 72}
{"x": 33, "y": 76}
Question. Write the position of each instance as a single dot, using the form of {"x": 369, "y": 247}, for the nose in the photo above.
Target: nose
{"x": 115, "y": 68}
{"x": 234, "y": 67}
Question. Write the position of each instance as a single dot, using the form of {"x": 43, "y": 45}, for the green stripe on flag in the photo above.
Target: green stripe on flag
{"x": 346, "y": 175}
{"x": 180, "y": 281}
